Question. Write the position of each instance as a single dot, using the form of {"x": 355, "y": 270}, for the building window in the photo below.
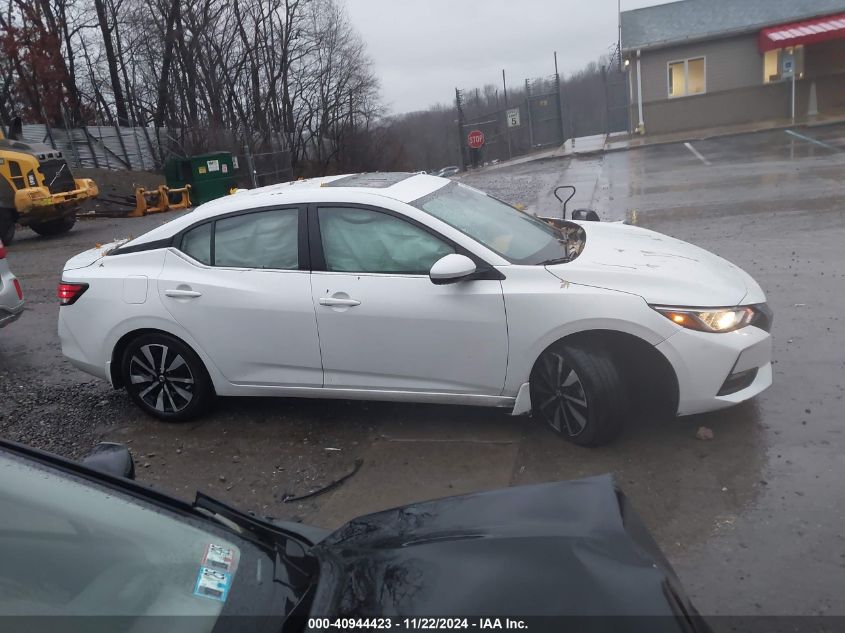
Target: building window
{"x": 773, "y": 63}
{"x": 687, "y": 77}
{"x": 771, "y": 66}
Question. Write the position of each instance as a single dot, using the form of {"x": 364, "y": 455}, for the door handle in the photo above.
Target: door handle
{"x": 183, "y": 294}
{"x": 334, "y": 301}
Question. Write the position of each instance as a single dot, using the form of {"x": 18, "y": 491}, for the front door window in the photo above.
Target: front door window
{"x": 365, "y": 241}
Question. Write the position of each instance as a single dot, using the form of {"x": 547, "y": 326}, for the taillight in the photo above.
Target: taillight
{"x": 17, "y": 285}
{"x": 2, "y": 251}
{"x": 69, "y": 293}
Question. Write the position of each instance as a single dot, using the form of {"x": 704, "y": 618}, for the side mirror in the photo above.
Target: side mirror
{"x": 111, "y": 458}
{"x": 451, "y": 268}
{"x": 587, "y": 215}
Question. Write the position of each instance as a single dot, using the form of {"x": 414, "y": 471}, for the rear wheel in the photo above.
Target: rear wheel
{"x": 579, "y": 392}
{"x": 54, "y": 227}
{"x": 166, "y": 378}
{"x": 8, "y": 221}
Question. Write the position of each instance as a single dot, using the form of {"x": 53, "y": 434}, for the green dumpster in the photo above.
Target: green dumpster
{"x": 211, "y": 176}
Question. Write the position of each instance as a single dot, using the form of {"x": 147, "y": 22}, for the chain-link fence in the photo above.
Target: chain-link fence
{"x": 264, "y": 168}
{"x": 531, "y": 118}
{"x": 542, "y": 113}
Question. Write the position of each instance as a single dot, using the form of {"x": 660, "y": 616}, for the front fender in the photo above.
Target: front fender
{"x": 542, "y": 311}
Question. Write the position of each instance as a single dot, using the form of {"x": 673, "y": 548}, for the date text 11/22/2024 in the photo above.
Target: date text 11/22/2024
{"x": 413, "y": 624}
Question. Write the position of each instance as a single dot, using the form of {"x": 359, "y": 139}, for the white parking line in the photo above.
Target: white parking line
{"x": 812, "y": 140}
{"x": 696, "y": 153}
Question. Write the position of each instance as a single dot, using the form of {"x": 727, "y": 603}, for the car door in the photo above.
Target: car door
{"x": 384, "y": 325}
{"x": 241, "y": 286}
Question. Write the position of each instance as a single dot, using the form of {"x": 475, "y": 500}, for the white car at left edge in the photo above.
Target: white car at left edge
{"x": 415, "y": 288}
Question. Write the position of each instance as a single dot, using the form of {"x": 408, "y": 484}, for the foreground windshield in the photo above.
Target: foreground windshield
{"x": 518, "y": 237}
{"x": 73, "y": 548}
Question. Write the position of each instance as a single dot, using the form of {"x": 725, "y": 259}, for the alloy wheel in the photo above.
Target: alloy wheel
{"x": 561, "y": 399}
{"x": 161, "y": 378}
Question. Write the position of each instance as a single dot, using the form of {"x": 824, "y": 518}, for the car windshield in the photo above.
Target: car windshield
{"x": 517, "y": 236}
{"x": 72, "y": 547}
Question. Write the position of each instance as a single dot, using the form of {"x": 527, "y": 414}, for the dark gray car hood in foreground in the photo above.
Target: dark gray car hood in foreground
{"x": 568, "y": 548}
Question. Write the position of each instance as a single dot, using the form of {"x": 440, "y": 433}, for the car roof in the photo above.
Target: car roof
{"x": 399, "y": 186}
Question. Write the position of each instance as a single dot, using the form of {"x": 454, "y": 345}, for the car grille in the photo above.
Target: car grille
{"x": 53, "y": 172}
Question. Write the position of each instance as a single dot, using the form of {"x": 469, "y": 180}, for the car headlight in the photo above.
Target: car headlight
{"x": 704, "y": 320}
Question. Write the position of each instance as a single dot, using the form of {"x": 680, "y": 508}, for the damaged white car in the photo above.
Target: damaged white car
{"x": 418, "y": 289}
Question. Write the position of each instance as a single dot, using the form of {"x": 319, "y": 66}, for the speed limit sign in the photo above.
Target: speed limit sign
{"x": 513, "y": 117}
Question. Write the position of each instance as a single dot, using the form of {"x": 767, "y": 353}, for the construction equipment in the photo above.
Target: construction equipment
{"x": 36, "y": 187}
{"x": 163, "y": 198}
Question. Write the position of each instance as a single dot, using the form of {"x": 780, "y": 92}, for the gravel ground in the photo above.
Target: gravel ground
{"x": 64, "y": 419}
{"x": 732, "y": 512}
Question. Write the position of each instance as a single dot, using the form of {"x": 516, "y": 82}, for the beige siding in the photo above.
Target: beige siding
{"x": 730, "y": 64}
{"x": 735, "y": 90}
{"x": 714, "y": 109}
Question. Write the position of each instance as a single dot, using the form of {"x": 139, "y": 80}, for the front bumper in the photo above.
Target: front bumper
{"x": 705, "y": 362}
{"x": 33, "y": 200}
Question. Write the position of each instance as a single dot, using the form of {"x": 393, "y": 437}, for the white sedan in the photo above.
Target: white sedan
{"x": 418, "y": 289}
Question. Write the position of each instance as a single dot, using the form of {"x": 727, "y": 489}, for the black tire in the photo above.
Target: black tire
{"x": 579, "y": 392}
{"x": 8, "y": 223}
{"x": 54, "y": 227}
{"x": 181, "y": 391}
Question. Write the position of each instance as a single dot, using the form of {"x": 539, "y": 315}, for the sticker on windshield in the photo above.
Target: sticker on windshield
{"x": 213, "y": 584}
{"x": 220, "y": 558}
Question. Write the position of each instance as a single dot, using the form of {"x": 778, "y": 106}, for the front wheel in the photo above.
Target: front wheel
{"x": 166, "y": 378}
{"x": 54, "y": 227}
{"x": 579, "y": 392}
{"x": 7, "y": 226}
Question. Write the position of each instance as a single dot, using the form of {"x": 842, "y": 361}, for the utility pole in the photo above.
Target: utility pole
{"x": 460, "y": 107}
{"x": 528, "y": 108}
{"x": 559, "y": 103}
{"x": 619, "y": 41}
{"x": 507, "y": 123}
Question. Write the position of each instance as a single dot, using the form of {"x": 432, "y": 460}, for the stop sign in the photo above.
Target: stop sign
{"x": 475, "y": 139}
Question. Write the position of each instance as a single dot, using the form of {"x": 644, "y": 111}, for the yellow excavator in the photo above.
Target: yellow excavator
{"x": 36, "y": 187}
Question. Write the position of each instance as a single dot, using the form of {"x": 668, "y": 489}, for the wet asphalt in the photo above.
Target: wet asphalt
{"x": 753, "y": 520}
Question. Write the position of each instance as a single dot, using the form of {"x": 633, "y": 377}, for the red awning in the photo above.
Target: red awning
{"x": 807, "y": 32}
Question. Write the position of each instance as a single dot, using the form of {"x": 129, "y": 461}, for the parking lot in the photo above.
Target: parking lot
{"x": 752, "y": 519}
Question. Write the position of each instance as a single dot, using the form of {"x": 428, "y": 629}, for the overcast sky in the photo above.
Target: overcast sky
{"x": 422, "y": 49}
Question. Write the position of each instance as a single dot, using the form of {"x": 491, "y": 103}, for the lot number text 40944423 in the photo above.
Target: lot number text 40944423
{"x": 416, "y": 624}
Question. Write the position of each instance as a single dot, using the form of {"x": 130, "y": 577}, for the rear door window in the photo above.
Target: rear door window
{"x": 264, "y": 239}
{"x": 197, "y": 243}
{"x": 269, "y": 239}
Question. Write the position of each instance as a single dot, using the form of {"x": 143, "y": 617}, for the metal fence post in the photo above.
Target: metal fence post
{"x": 507, "y": 123}
{"x": 251, "y": 166}
{"x": 530, "y": 122}
{"x": 138, "y": 145}
{"x": 73, "y": 149}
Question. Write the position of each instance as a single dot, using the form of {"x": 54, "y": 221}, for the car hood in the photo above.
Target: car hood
{"x": 86, "y": 258}
{"x": 566, "y": 548}
{"x": 661, "y": 269}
